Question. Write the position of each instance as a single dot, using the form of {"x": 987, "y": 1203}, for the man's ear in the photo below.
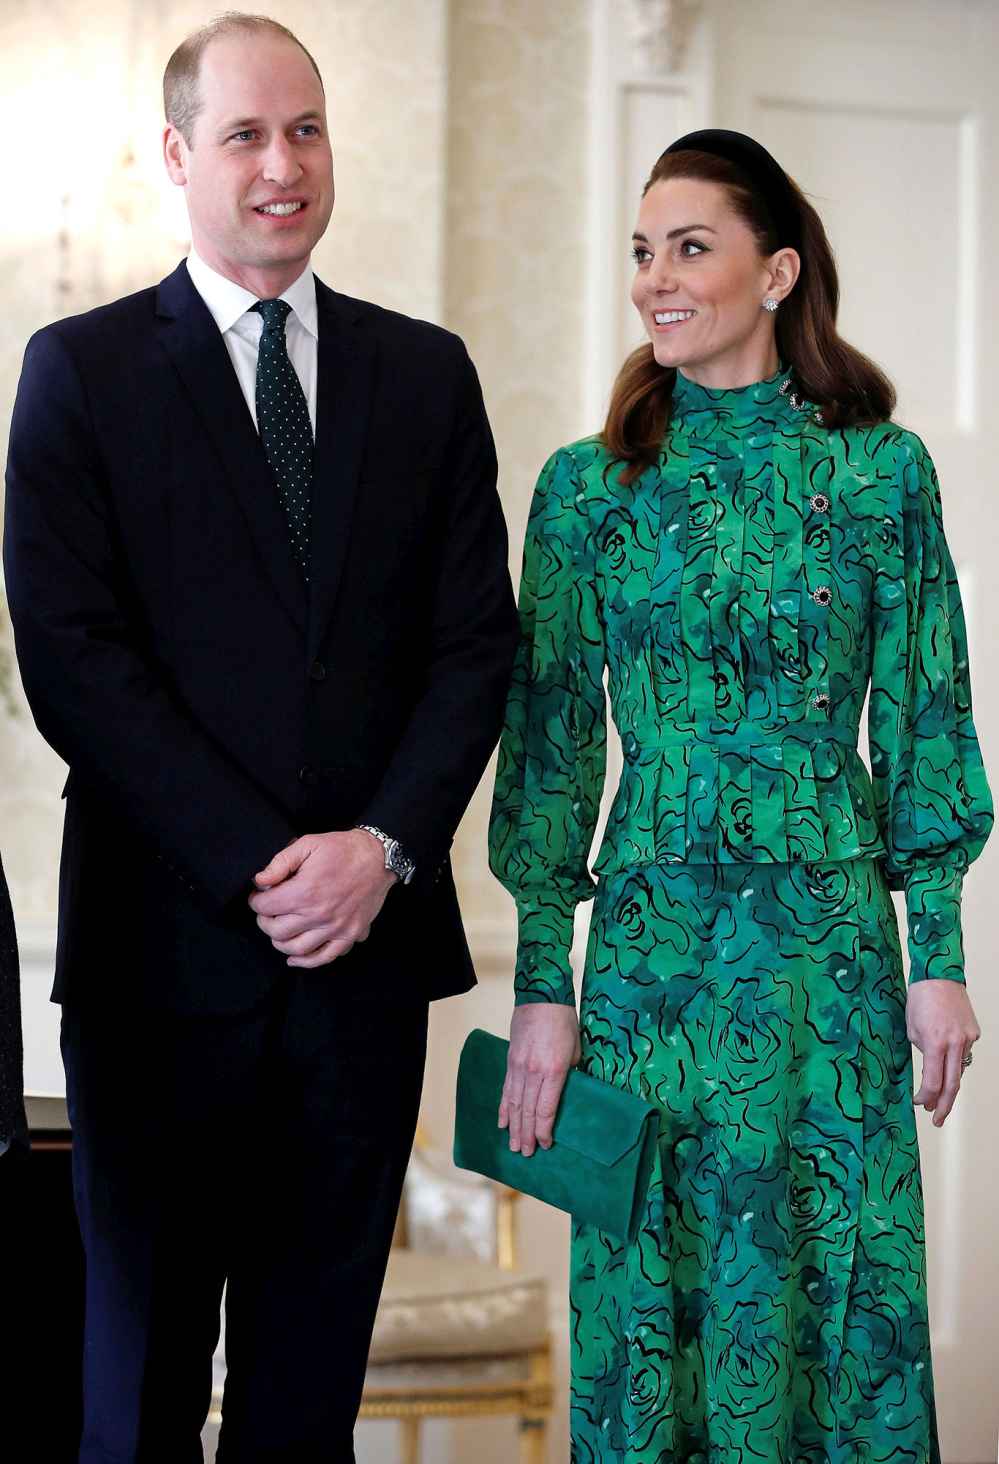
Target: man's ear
{"x": 175, "y": 155}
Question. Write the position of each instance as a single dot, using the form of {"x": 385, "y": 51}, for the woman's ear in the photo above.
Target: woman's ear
{"x": 784, "y": 268}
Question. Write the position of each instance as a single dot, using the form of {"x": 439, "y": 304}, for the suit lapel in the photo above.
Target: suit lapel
{"x": 346, "y": 379}
{"x": 193, "y": 342}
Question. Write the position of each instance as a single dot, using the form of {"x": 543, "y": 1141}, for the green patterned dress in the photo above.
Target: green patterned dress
{"x": 743, "y": 969}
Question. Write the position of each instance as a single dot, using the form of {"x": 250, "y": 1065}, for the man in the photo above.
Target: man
{"x": 261, "y": 657}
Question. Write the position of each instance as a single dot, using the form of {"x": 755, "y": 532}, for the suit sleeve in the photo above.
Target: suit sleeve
{"x": 456, "y": 721}
{"x": 89, "y": 673}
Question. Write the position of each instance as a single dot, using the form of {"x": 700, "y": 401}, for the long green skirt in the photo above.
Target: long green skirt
{"x": 774, "y": 1307}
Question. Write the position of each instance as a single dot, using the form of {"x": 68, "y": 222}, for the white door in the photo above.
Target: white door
{"x": 887, "y": 114}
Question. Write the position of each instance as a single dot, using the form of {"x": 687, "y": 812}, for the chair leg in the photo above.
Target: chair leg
{"x": 409, "y": 1429}
{"x": 533, "y": 1441}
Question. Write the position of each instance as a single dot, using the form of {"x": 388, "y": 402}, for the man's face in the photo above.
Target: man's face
{"x": 259, "y": 174}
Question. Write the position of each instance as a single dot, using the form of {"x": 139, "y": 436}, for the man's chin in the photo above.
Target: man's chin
{"x": 270, "y": 252}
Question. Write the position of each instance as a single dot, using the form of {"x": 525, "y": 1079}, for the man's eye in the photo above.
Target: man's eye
{"x": 311, "y": 128}
{"x": 237, "y": 136}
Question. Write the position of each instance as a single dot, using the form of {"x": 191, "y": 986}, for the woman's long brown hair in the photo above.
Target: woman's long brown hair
{"x": 830, "y": 372}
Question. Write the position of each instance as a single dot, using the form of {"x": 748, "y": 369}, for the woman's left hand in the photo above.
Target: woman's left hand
{"x": 941, "y": 1023}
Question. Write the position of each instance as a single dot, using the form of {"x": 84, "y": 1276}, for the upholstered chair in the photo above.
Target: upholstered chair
{"x": 461, "y": 1330}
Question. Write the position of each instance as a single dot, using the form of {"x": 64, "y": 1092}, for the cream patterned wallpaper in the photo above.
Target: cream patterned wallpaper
{"x": 515, "y": 285}
{"x": 515, "y": 290}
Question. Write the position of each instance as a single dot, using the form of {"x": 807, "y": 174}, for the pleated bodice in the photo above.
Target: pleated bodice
{"x": 721, "y": 579}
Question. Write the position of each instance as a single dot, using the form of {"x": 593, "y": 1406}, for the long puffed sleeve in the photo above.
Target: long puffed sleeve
{"x": 932, "y": 797}
{"x": 553, "y": 750}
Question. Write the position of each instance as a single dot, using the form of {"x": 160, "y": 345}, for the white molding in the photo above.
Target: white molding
{"x": 971, "y": 176}
{"x": 599, "y": 342}
{"x": 36, "y": 943}
{"x": 622, "y": 78}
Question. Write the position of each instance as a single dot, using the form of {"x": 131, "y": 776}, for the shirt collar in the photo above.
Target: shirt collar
{"x": 228, "y": 302}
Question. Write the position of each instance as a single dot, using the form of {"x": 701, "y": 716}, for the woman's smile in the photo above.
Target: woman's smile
{"x": 670, "y": 319}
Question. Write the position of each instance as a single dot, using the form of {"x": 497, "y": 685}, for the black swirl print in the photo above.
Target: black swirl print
{"x": 743, "y": 969}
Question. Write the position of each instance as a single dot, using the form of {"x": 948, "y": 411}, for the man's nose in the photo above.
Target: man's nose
{"x": 281, "y": 165}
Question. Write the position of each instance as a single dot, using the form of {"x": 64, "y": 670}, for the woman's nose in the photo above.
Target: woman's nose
{"x": 662, "y": 276}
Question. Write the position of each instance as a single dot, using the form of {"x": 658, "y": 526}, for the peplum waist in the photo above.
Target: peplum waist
{"x": 714, "y": 792}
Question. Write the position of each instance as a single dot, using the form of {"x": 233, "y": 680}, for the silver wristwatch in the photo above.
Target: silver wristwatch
{"x": 395, "y": 859}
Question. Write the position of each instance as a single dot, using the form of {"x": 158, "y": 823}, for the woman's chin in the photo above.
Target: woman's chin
{"x": 670, "y": 354}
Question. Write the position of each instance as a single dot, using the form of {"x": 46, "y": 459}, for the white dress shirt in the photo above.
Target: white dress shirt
{"x": 241, "y": 326}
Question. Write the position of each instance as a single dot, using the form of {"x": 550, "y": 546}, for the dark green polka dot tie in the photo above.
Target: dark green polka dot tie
{"x": 284, "y": 426}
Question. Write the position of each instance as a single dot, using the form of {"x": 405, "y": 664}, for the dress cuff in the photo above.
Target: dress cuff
{"x": 933, "y": 904}
{"x": 544, "y": 972}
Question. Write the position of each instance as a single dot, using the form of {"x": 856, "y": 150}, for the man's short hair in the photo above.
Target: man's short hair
{"x": 181, "y": 90}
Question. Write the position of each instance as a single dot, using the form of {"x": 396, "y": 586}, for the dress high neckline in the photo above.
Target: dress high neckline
{"x": 741, "y": 403}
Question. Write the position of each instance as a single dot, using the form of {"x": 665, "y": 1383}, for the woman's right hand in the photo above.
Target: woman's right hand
{"x": 544, "y": 1045}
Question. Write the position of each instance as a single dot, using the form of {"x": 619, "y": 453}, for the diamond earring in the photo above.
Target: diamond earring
{"x": 771, "y": 305}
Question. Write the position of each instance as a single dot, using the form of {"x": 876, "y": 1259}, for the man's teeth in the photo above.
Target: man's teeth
{"x": 670, "y": 317}
{"x": 282, "y": 210}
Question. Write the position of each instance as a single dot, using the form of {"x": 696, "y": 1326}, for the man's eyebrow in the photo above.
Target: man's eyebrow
{"x": 675, "y": 233}
{"x": 241, "y": 124}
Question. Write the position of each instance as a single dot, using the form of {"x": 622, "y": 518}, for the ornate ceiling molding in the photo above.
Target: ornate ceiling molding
{"x": 661, "y": 31}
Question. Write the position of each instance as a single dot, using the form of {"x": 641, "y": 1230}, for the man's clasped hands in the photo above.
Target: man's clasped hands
{"x": 321, "y": 894}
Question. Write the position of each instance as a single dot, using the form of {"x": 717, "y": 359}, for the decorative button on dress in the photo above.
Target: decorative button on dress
{"x": 743, "y": 969}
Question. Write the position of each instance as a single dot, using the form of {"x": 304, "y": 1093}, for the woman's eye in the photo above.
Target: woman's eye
{"x": 693, "y": 244}
{"x": 641, "y": 255}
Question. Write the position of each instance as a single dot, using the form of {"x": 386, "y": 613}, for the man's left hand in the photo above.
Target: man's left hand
{"x": 320, "y": 895}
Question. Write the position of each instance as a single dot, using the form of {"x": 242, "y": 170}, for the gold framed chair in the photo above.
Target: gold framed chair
{"x": 461, "y": 1331}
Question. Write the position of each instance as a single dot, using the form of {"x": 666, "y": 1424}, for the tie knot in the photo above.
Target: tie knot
{"x": 274, "y": 312}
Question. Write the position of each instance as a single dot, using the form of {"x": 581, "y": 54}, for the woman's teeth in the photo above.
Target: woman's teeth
{"x": 672, "y": 317}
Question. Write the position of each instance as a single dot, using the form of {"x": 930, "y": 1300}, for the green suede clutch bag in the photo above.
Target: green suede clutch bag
{"x": 604, "y": 1141}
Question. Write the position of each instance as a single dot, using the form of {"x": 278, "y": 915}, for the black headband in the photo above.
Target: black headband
{"x": 762, "y": 170}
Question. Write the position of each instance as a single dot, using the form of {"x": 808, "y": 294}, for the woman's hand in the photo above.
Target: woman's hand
{"x": 544, "y": 1045}
{"x": 941, "y": 1023}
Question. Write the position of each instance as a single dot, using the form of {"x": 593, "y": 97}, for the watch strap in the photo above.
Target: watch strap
{"x": 396, "y": 860}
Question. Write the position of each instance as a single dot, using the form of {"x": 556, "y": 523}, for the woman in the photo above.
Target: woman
{"x": 748, "y": 543}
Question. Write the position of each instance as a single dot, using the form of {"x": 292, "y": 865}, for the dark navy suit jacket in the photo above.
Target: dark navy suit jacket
{"x": 210, "y": 705}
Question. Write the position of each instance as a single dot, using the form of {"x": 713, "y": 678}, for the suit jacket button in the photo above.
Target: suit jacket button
{"x": 317, "y": 671}
{"x": 308, "y": 775}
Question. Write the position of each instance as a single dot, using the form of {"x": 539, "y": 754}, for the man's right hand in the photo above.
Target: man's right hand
{"x": 544, "y": 1045}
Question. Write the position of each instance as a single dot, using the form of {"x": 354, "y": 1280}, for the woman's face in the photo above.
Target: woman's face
{"x": 700, "y": 284}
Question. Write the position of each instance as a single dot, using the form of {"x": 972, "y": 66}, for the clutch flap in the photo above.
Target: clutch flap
{"x": 599, "y": 1120}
